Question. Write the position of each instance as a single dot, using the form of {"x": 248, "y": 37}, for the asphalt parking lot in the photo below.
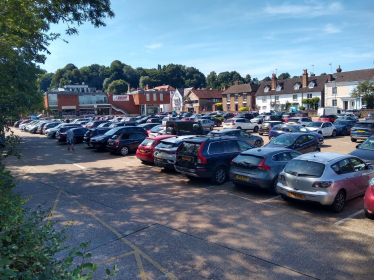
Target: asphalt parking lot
{"x": 157, "y": 224}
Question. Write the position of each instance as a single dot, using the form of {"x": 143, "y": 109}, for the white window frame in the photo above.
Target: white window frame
{"x": 236, "y": 97}
{"x": 161, "y": 97}
{"x": 266, "y": 89}
{"x": 334, "y": 90}
{"x": 335, "y": 103}
{"x": 277, "y": 98}
{"x": 309, "y": 95}
{"x": 148, "y": 97}
{"x": 155, "y": 97}
{"x": 228, "y": 98}
{"x": 278, "y": 88}
{"x": 296, "y": 86}
{"x": 264, "y": 99}
{"x": 293, "y": 97}
{"x": 311, "y": 84}
{"x": 244, "y": 96}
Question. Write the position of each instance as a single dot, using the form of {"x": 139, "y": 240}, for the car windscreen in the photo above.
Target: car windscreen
{"x": 293, "y": 120}
{"x": 315, "y": 124}
{"x": 341, "y": 123}
{"x": 112, "y": 131}
{"x": 157, "y": 128}
{"x": 367, "y": 145}
{"x": 247, "y": 161}
{"x": 303, "y": 168}
{"x": 300, "y": 128}
{"x": 168, "y": 145}
{"x": 284, "y": 139}
{"x": 364, "y": 125}
{"x": 189, "y": 148}
{"x": 148, "y": 142}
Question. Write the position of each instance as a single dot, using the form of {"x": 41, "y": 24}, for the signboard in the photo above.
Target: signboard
{"x": 68, "y": 107}
{"x": 121, "y": 98}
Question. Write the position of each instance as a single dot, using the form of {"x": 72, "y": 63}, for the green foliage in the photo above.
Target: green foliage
{"x": 45, "y": 81}
{"x": 302, "y": 108}
{"x": 284, "y": 76}
{"x": 366, "y": 91}
{"x": 242, "y": 109}
{"x": 311, "y": 101}
{"x": 266, "y": 79}
{"x": 322, "y": 74}
{"x": 118, "y": 87}
{"x": 219, "y": 106}
{"x": 145, "y": 80}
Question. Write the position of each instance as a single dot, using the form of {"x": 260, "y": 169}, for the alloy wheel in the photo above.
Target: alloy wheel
{"x": 124, "y": 151}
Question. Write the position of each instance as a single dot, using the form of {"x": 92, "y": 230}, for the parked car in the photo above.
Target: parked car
{"x": 287, "y": 128}
{"x": 260, "y": 167}
{"x": 357, "y": 113}
{"x": 148, "y": 126}
{"x": 94, "y": 124}
{"x": 247, "y": 116}
{"x": 362, "y": 130}
{"x": 326, "y": 178}
{"x": 51, "y": 132}
{"x": 49, "y": 126}
{"x": 344, "y": 117}
{"x": 343, "y": 127}
{"x": 240, "y": 123}
{"x": 228, "y": 116}
{"x": 254, "y": 140}
{"x": 79, "y": 133}
{"x": 99, "y": 142}
{"x": 154, "y": 120}
{"x": 365, "y": 151}
{"x": 369, "y": 201}
{"x": 184, "y": 128}
{"x": 166, "y": 119}
{"x": 259, "y": 119}
{"x": 106, "y": 124}
{"x": 92, "y": 133}
{"x": 143, "y": 120}
{"x": 304, "y": 121}
{"x": 17, "y": 123}
{"x": 164, "y": 154}
{"x": 267, "y": 126}
{"x": 323, "y": 128}
{"x": 327, "y": 118}
{"x": 273, "y": 118}
{"x": 301, "y": 115}
{"x": 288, "y": 115}
{"x": 208, "y": 157}
{"x": 301, "y": 142}
{"x": 207, "y": 124}
{"x": 370, "y": 116}
{"x": 125, "y": 142}
{"x": 146, "y": 149}
{"x": 157, "y": 130}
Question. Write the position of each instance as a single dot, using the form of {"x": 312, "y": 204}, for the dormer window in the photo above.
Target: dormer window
{"x": 312, "y": 85}
{"x": 279, "y": 87}
{"x": 266, "y": 89}
{"x": 296, "y": 86}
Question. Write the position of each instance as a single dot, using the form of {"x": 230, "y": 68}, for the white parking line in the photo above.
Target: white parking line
{"x": 241, "y": 197}
{"x": 275, "y": 197}
{"x": 349, "y": 217}
{"x": 77, "y": 165}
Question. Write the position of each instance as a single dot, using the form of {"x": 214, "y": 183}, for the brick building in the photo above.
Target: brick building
{"x": 237, "y": 96}
{"x": 200, "y": 101}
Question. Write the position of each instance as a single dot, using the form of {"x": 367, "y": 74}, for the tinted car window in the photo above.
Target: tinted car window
{"x": 358, "y": 164}
{"x": 243, "y": 133}
{"x": 284, "y": 156}
{"x": 189, "y": 148}
{"x": 304, "y": 168}
{"x": 243, "y": 146}
{"x": 136, "y": 136}
{"x": 231, "y": 146}
{"x": 285, "y": 139}
{"x": 148, "y": 142}
{"x": 364, "y": 125}
{"x": 342, "y": 167}
{"x": 248, "y": 161}
{"x": 215, "y": 148}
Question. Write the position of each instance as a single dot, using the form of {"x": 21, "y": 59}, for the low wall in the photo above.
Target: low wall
{"x": 364, "y": 113}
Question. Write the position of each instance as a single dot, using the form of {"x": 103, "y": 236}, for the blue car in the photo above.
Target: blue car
{"x": 289, "y": 128}
{"x": 362, "y": 130}
{"x": 301, "y": 142}
{"x": 343, "y": 127}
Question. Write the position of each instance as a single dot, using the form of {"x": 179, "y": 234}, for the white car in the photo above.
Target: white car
{"x": 323, "y": 128}
{"x": 166, "y": 119}
{"x": 304, "y": 121}
{"x": 240, "y": 123}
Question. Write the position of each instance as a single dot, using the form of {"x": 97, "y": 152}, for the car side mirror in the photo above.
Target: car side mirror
{"x": 370, "y": 166}
{"x": 358, "y": 146}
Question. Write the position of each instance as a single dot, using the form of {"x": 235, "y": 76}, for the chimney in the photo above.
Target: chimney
{"x": 339, "y": 69}
{"x": 329, "y": 78}
{"x": 128, "y": 88}
{"x": 236, "y": 83}
{"x": 312, "y": 75}
{"x": 273, "y": 81}
{"x": 225, "y": 87}
{"x": 305, "y": 78}
{"x": 146, "y": 87}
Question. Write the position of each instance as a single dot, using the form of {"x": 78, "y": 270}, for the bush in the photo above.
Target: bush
{"x": 302, "y": 108}
{"x": 219, "y": 106}
{"x": 242, "y": 109}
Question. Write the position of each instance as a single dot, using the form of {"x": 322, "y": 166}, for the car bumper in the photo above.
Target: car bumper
{"x": 354, "y": 136}
{"x": 144, "y": 156}
{"x": 263, "y": 183}
{"x": 193, "y": 172}
{"x": 112, "y": 149}
{"x": 321, "y": 197}
{"x": 162, "y": 162}
{"x": 369, "y": 200}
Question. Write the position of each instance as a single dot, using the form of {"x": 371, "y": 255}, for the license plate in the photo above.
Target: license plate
{"x": 227, "y": 125}
{"x": 296, "y": 195}
{"x": 159, "y": 159}
{"x": 186, "y": 158}
{"x": 242, "y": 177}
{"x": 110, "y": 144}
{"x": 363, "y": 131}
{"x": 141, "y": 150}
{"x": 264, "y": 127}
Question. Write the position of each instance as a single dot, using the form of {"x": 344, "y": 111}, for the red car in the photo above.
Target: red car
{"x": 369, "y": 200}
{"x": 327, "y": 118}
{"x": 189, "y": 119}
{"x": 147, "y": 147}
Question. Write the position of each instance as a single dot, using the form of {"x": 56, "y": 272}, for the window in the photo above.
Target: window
{"x": 279, "y": 87}
{"x": 282, "y": 157}
{"x": 334, "y": 102}
{"x": 296, "y": 86}
{"x": 309, "y": 95}
{"x": 334, "y": 90}
{"x": 231, "y": 146}
{"x": 358, "y": 164}
{"x": 311, "y": 84}
{"x": 294, "y": 97}
{"x": 277, "y": 98}
{"x": 215, "y": 148}
{"x": 264, "y": 99}
{"x": 137, "y": 136}
{"x": 353, "y": 103}
{"x": 52, "y": 99}
{"x": 236, "y": 107}
{"x": 266, "y": 89}
{"x": 264, "y": 107}
{"x": 154, "y": 97}
{"x": 228, "y": 98}
{"x": 236, "y": 97}
{"x": 243, "y": 133}
{"x": 243, "y": 146}
{"x": 148, "y": 97}
{"x": 244, "y": 96}
{"x": 342, "y": 167}
{"x": 161, "y": 97}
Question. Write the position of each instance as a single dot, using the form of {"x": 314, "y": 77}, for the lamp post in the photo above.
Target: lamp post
{"x": 275, "y": 91}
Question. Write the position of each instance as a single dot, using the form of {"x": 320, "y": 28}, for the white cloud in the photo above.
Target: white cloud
{"x": 154, "y": 46}
{"x": 311, "y": 10}
{"x": 330, "y": 29}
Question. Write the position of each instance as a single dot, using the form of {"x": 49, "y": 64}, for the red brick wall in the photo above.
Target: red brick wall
{"x": 46, "y": 104}
{"x": 141, "y": 98}
{"x": 128, "y": 106}
{"x": 67, "y": 100}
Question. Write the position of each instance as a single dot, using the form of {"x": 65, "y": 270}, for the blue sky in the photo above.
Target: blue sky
{"x": 251, "y": 37}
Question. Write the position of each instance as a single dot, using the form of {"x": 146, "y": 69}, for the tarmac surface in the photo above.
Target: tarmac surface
{"x": 157, "y": 224}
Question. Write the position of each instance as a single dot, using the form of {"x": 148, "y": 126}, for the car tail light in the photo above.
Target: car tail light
{"x": 232, "y": 162}
{"x": 200, "y": 158}
{"x": 233, "y": 122}
{"x": 117, "y": 143}
{"x": 263, "y": 166}
{"x": 322, "y": 184}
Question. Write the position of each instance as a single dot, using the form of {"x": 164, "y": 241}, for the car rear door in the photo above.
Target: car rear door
{"x": 362, "y": 174}
{"x": 345, "y": 178}
{"x": 302, "y": 145}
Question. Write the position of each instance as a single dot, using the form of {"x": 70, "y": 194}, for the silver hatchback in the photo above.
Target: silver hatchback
{"x": 325, "y": 178}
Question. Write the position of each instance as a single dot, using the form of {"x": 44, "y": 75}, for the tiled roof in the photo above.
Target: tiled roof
{"x": 357, "y": 75}
{"x": 240, "y": 88}
{"x": 206, "y": 93}
{"x": 164, "y": 88}
{"x": 288, "y": 86}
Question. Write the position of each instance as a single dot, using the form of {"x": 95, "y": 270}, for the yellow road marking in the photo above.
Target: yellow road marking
{"x": 140, "y": 265}
{"x": 117, "y": 257}
{"x": 54, "y": 205}
{"x": 26, "y": 171}
{"x": 136, "y": 249}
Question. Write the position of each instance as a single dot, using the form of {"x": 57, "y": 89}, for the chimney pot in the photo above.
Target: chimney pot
{"x": 236, "y": 83}
{"x": 338, "y": 70}
{"x": 305, "y": 78}
{"x": 273, "y": 81}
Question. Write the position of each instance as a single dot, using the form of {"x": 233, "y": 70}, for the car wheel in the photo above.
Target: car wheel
{"x": 261, "y": 134}
{"x": 353, "y": 140}
{"x": 255, "y": 129}
{"x": 75, "y": 140}
{"x": 211, "y": 128}
{"x": 274, "y": 186}
{"x": 339, "y": 202}
{"x": 271, "y": 138}
{"x": 368, "y": 215}
{"x": 257, "y": 143}
{"x": 333, "y": 133}
{"x": 238, "y": 127}
{"x": 219, "y": 175}
{"x": 124, "y": 151}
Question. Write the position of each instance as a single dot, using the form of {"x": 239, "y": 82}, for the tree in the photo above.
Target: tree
{"x": 294, "y": 77}
{"x": 131, "y": 76}
{"x": 284, "y": 76}
{"x": 45, "y": 81}
{"x": 323, "y": 74}
{"x": 106, "y": 83}
{"x": 219, "y": 106}
{"x": 144, "y": 80}
{"x": 366, "y": 91}
{"x": 248, "y": 79}
{"x": 118, "y": 87}
{"x": 266, "y": 79}
{"x": 212, "y": 81}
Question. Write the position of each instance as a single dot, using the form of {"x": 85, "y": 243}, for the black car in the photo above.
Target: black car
{"x": 209, "y": 157}
{"x": 148, "y": 126}
{"x": 100, "y": 141}
{"x": 94, "y": 132}
{"x": 124, "y": 143}
{"x": 267, "y": 126}
{"x": 78, "y": 134}
{"x": 365, "y": 151}
{"x": 17, "y": 123}
{"x": 143, "y": 120}
{"x": 247, "y": 116}
{"x": 301, "y": 142}
{"x": 154, "y": 120}
{"x": 227, "y": 116}
{"x": 184, "y": 128}
{"x": 273, "y": 118}
{"x": 343, "y": 127}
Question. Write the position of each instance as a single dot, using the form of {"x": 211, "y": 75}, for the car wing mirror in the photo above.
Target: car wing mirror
{"x": 358, "y": 146}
